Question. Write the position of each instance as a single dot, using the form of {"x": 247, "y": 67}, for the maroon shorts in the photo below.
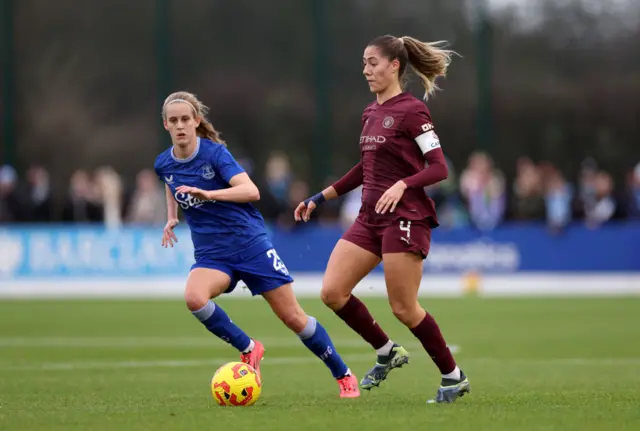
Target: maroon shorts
{"x": 401, "y": 236}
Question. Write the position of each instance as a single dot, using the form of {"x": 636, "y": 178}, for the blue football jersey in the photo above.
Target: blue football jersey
{"x": 218, "y": 229}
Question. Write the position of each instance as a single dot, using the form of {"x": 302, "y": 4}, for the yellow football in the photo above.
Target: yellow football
{"x": 236, "y": 384}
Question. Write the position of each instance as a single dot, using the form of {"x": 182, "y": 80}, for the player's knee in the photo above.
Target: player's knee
{"x": 296, "y": 320}
{"x": 195, "y": 300}
{"x": 405, "y": 312}
{"x": 333, "y": 298}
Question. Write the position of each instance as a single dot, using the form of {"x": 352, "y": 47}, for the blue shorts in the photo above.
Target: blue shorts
{"x": 261, "y": 273}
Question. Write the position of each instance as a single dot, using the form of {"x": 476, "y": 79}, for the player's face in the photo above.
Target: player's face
{"x": 181, "y": 123}
{"x": 379, "y": 71}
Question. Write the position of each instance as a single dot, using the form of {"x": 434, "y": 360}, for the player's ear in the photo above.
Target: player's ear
{"x": 395, "y": 65}
{"x": 198, "y": 120}
{"x": 166, "y": 125}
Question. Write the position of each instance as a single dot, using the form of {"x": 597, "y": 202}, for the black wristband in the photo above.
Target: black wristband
{"x": 316, "y": 199}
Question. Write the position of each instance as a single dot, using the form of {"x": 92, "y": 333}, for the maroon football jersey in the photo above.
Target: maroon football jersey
{"x": 390, "y": 153}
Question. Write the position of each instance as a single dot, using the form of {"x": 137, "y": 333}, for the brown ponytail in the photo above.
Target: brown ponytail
{"x": 200, "y": 110}
{"x": 427, "y": 59}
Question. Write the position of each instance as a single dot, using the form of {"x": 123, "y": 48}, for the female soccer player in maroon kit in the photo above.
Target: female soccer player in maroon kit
{"x": 396, "y": 217}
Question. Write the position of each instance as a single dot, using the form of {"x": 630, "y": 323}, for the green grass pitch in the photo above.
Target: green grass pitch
{"x": 533, "y": 364}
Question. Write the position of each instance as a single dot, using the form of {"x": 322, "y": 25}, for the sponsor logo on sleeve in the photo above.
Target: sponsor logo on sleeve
{"x": 427, "y": 127}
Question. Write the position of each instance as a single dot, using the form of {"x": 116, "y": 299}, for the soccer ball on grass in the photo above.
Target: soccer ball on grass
{"x": 236, "y": 384}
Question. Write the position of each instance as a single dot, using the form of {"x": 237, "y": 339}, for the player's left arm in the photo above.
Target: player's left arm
{"x": 419, "y": 127}
{"x": 242, "y": 189}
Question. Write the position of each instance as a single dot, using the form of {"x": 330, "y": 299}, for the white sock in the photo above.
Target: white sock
{"x": 250, "y": 347}
{"x": 453, "y": 375}
{"x": 347, "y": 374}
{"x": 386, "y": 349}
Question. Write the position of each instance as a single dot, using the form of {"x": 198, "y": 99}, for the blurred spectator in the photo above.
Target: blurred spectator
{"x": 558, "y": 199}
{"x": 110, "y": 191}
{"x": 586, "y": 187}
{"x": 477, "y": 165}
{"x": 268, "y": 205}
{"x": 12, "y": 208}
{"x": 298, "y": 192}
{"x": 633, "y": 193}
{"x": 329, "y": 212}
{"x": 147, "y": 205}
{"x": 247, "y": 164}
{"x": 38, "y": 193}
{"x": 449, "y": 206}
{"x": 350, "y": 207}
{"x": 82, "y": 203}
{"x": 278, "y": 176}
{"x": 602, "y": 207}
{"x": 484, "y": 190}
{"x": 528, "y": 201}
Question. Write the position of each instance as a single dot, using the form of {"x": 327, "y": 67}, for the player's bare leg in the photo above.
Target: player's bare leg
{"x": 403, "y": 273}
{"x": 348, "y": 264}
{"x": 284, "y": 304}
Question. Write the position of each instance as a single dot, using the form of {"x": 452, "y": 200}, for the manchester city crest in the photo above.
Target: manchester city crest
{"x": 387, "y": 122}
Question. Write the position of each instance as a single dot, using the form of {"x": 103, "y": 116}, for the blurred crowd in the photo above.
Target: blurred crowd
{"x": 482, "y": 197}
{"x": 478, "y": 196}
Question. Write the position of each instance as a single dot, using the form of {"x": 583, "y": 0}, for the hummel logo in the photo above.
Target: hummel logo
{"x": 169, "y": 179}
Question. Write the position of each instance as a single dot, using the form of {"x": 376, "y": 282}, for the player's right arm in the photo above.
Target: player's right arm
{"x": 168, "y": 235}
{"x": 344, "y": 185}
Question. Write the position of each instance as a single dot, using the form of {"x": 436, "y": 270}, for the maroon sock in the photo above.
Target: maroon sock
{"x": 431, "y": 338}
{"x": 356, "y": 315}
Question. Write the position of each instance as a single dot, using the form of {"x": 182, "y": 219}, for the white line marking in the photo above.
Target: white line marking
{"x": 91, "y": 365}
{"x": 297, "y": 360}
{"x": 293, "y": 360}
{"x": 146, "y": 342}
{"x": 128, "y": 342}
{"x": 560, "y": 361}
{"x": 307, "y": 285}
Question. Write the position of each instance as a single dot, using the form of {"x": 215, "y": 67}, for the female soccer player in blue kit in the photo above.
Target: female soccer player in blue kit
{"x": 229, "y": 238}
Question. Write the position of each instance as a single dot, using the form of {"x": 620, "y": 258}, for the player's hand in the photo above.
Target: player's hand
{"x": 168, "y": 235}
{"x": 390, "y": 198}
{"x": 303, "y": 212}
{"x": 194, "y": 191}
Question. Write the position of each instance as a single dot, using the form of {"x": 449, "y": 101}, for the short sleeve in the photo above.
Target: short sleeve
{"x": 225, "y": 164}
{"x": 419, "y": 127}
